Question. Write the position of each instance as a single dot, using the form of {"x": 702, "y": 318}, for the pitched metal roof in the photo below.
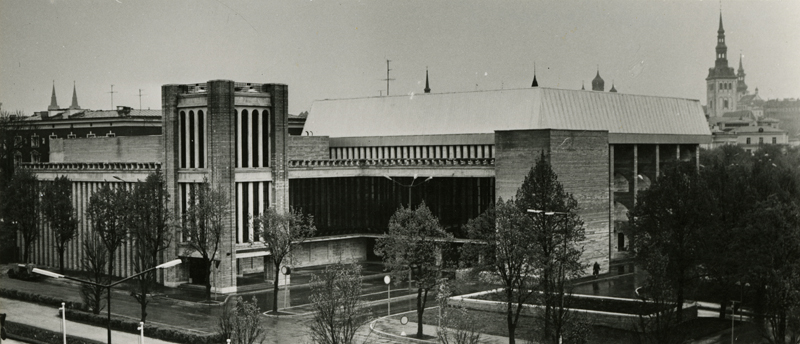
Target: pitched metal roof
{"x": 487, "y": 111}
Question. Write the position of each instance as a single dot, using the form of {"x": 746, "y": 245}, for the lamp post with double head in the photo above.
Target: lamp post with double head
{"x": 168, "y": 264}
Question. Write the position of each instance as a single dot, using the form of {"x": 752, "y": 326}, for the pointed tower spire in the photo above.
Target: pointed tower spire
{"x": 53, "y": 102}
{"x": 427, "y": 85}
{"x": 721, "y": 29}
{"x": 74, "y": 105}
{"x": 613, "y": 89}
{"x": 534, "y": 83}
{"x": 583, "y": 88}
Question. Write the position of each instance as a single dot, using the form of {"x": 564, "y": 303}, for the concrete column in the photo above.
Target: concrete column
{"x": 658, "y": 160}
{"x": 196, "y": 142}
{"x": 260, "y": 123}
{"x": 170, "y": 95}
{"x": 239, "y": 212}
{"x": 279, "y": 96}
{"x": 238, "y": 150}
{"x": 611, "y": 217}
{"x": 250, "y": 124}
{"x": 222, "y": 161}
{"x": 635, "y": 172}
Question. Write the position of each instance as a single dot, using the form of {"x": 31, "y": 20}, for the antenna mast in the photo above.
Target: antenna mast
{"x": 387, "y": 76}
{"x": 112, "y": 97}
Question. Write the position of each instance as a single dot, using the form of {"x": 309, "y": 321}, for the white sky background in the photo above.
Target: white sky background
{"x": 338, "y": 49}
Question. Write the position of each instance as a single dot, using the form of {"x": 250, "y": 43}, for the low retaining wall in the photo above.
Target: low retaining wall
{"x": 621, "y": 321}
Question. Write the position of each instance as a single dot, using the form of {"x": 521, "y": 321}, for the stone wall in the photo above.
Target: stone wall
{"x": 108, "y": 149}
{"x": 309, "y": 147}
{"x": 330, "y": 251}
{"x": 580, "y": 159}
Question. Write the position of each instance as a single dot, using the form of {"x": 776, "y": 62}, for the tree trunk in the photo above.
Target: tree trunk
{"x": 143, "y": 303}
{"x": 510, "y": 319}
{"x": 679, "y": 306}
{"x": 208, "y": 278}
{"x": 419, "y": 313}
{"x": 61, "y": 259}
{"x": 275, "y": 287}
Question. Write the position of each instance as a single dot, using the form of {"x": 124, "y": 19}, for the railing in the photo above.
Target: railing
{"x": 397, "y": 162}
{"x": 249, "y": 87}
{"x": 92, "y": 166}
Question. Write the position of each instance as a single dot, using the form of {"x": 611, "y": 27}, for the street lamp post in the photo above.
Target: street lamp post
{"x": 168, "y": 264}
{"x": 388, "y": 280}
{"x": 733, "y": 317}
{"x": 63, "y": 310}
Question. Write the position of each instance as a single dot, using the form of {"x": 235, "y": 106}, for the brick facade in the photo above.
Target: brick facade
{"x": 309, "y": 147}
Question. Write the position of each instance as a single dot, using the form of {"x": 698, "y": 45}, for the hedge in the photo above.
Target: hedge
{"x": 151, "y": 330}
{"x": 34, "y": 334}
{"x": 40, "y": 299}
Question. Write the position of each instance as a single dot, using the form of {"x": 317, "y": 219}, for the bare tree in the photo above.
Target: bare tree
{"x": 13, "y": 129}
{"x": 150, "y": 228}
{"x": 239, "y": 322}
{"x": 93, "y": 261}
{"x": 413, "y": 244}
{"x": 21, "y": 209}
{"x": 339, "y": 311}
{"x": 109, "y": 215}
{"x": 504, "y": 248}
{"x": 456, "y": 324}
{"x": 58, "y": 210}
{"x": 282, "y": 233}
{"x": 204, "y": 225}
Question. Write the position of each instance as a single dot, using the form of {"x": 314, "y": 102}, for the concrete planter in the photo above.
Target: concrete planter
{"x": 623, "y": 321}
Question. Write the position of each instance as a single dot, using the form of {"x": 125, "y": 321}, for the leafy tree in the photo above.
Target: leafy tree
{"x": 150, "y": 228}
{"x": 203, "y": 225}
{"x": 726, "y": 173}
{"x": 413, "y": 244}
{"x": 21, "y": 209}
{"x": 239, "y": 322}
{"x": 668, "y": 223}
{"x": 93, "y": 261}
{"x": 773, "y": 234}
{"x": 505, "y": 247}
{"x": 282, "y": 232}
{"x": 58, "y": 210}
{"x": 556, "y": 233}
{"x": 339, "y": 311}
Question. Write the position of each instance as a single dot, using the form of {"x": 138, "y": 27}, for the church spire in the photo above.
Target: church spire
{"x": 427, "y": 85}
{"x": 722, "y": 49}
{"x": 53, "y": 102}
{"x": 74, "y": 98}
{"x": 534, "y": 83}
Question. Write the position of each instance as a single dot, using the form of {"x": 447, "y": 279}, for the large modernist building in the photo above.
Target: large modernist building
{"x": 457, "y": 152}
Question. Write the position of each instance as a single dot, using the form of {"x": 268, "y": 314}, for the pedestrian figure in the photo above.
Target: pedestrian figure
{"x": 596, "y": 270}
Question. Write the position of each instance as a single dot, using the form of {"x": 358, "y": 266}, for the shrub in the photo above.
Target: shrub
{"x": 152, "y": 331}
{"x": 26, "y": 332}
{"x": 40, "y": 299}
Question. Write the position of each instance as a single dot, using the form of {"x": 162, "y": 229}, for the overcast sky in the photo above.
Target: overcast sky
{"x": 338, "y": 49}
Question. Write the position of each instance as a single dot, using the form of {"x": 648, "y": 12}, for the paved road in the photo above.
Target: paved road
{"x": 47, "y": 318}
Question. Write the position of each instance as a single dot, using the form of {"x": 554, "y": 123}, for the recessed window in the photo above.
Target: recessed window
{"x": 17, "y": 158}
{"x": 774, "y": 140}
{"x": 35, "y": 156}
{"x": 35, "y": 141}
{"x": 748, "y": 140}
{"x": 760, "y": 140}
{"x": 17, "y": 140}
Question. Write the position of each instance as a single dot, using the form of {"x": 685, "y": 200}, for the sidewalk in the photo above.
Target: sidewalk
{"x": 46, "y": 317}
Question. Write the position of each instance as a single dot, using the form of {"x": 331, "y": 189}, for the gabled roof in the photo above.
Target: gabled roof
{"x": 488, "y": 111}
{"x": 739, "y": 114}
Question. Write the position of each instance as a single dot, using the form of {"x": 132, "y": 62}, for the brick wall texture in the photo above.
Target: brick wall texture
{"x": 309, "y": 147}
{"x": 108, "y": 149}
{"x": 580, "y": 159}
